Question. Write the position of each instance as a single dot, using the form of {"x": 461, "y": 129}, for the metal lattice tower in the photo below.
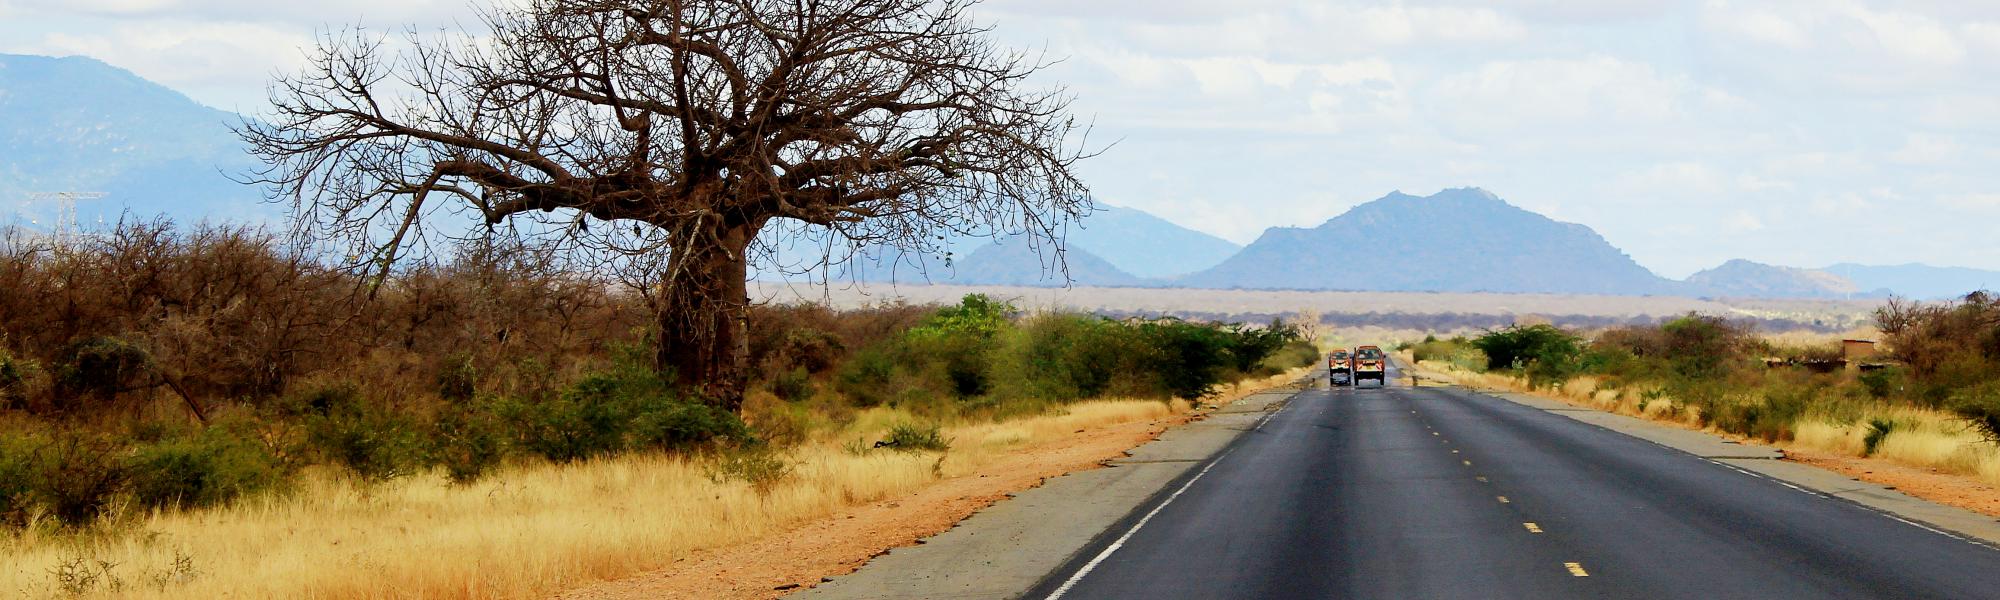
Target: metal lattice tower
{"x": 66, "y": 210}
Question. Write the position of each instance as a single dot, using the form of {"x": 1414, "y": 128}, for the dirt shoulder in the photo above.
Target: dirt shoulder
{"x": 1928, "y": 484}
{"x": 845, "y": 541}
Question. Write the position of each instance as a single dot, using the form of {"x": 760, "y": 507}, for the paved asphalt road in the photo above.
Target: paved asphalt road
{"x": 1441, "y": 493}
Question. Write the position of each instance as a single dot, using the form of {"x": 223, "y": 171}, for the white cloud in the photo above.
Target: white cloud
{"x": 1760, "y": 25}
{"x": 1910, "y": 37}
{"x": 189, "y": 55}
{"x": 1658, "y": 122}
{"x": 1743, "y": 222}
{"x": 1928, "y": 149}
{"x": 1974, "y": 202}
{"x": 1606, "y": 96}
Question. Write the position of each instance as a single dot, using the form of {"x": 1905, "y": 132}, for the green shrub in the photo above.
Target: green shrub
{"x": 568, "y": 427}
{"x": 680, "y": 427}
{"x": 612, "y": 412}
{"x": 203, "y": 470}
{"x": 1294, "y": 354}
{"x": 102, "y": 367}
{"x": 1881, "y": 382}
{"x": 792, "y": 385}
{"x": 1185, "y": 359}
{"x": 1248, "y": 346}
{"x": 372, "y": 442}
{"x": 17, "y": 472}
{"x": 1519, "y": 347}
{"x": 1065, "y": 357}
{"x": 1703, "y": 345}
{"x": 757, "y": 466}
{"x": 958, "y": 342}
{"x": 913, "y": 437}
{"x": 19, "y": 379}
{"x": 469, "y": 444}
{"x": 458, "y": 379}
{"x": 1980, "y": 407}
{"x": 866, "y": 378}
{"x": 1878, "y": 430}
{"x": 76, "y": 475}
{"x": 1458, "y": 352}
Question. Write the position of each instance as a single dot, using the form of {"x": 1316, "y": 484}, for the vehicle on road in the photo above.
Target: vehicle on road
{"x": 1340, "y": 368}
{"x": 1371, "y": 363}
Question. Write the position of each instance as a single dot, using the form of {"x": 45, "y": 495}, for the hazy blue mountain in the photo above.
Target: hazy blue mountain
{"x": 1746, "y": 279}
{"x": 1012, "y": 262}
{"x": 1919, "y": 281}
{"x": 1115, "y": 246}
{"x": 1459, "y": 240}
{"x": 77, "y": 124}
{"x": 1148, "y": 246}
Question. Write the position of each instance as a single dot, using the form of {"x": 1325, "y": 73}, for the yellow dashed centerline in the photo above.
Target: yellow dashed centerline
{"x": 1576, "y": 569}
{"x": 1481, "y": 479}
{"x": 1467, "y": 462}
{"x": 1532, "y": 528}
{"x": 1503, "y": 499}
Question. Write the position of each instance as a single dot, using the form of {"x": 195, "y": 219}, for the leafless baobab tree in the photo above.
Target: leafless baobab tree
{"x": 679, "y": 129}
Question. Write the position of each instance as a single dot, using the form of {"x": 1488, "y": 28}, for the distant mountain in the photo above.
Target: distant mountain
{"x": 1746, "y": 279}
{"x": 77, "y": 124}
{"x": 1148, "y": 246}
{"x": 1459, "y": 240}
{"x": 1012, "y": 262}
{"x": 1114, "y": 246}
{"x": 1919, "y": 281}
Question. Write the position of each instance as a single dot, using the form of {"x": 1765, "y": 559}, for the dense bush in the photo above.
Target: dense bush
{"x": 1547, "y": 355}
{"x": 184, "y": 367}
{"x": 204, "y": 469}
{"x": 1518, "y": 346}
{"x": 1186, "y": 360}
{"x": 913, "y": 437}
{"x": 682, "y": 427}
{"x": 615, "y": 412}
{"x": 16, "y": 477}
{"x": 1457, "y": 351}
{"x": 1951, "y": 353}
{"x": 76, "y": 475}
{"x": 469, "y": 443}
{"x": 101, "y": 367}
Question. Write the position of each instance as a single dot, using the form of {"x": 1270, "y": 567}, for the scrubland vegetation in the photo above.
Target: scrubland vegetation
{"x": 210, "y": 411}
{"x": 1932, "y": 400}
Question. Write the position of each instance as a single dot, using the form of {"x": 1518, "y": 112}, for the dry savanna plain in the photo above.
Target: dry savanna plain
{"x": 631, "y": 525}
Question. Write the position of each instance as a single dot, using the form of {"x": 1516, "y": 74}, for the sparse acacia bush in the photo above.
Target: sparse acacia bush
{"x": 76, "y": 475}
{"x": 916, "y": 437}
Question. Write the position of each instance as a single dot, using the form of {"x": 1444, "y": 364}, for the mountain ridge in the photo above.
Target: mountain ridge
{"x": 1457, "y": 240}
{"x": 78, "y": 124}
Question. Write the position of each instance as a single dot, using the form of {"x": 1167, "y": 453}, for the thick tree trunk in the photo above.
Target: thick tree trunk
{"x": 703, "y": 315}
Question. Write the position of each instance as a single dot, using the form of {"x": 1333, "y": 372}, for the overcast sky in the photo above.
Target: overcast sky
{"x": 1688, "y": 133}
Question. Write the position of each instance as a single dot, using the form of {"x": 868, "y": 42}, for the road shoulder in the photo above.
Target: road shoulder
{"x": 1005, "y": 550}
{"x": 1771, "y": 463}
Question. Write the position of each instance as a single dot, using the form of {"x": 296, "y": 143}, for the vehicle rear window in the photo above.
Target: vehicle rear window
{"x": 1365, "y": 353}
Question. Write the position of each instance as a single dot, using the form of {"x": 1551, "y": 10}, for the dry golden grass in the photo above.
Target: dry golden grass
{"x": 523, "y": 533}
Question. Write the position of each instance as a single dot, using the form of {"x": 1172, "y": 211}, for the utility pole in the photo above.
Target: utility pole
{"x": 66, "y": 208}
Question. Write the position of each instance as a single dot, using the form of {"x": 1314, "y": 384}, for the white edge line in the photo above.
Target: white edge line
{"x": 1120, "y": 542}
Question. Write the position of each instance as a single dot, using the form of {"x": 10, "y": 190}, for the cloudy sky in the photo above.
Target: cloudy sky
{"x": 1800, "y": 133}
